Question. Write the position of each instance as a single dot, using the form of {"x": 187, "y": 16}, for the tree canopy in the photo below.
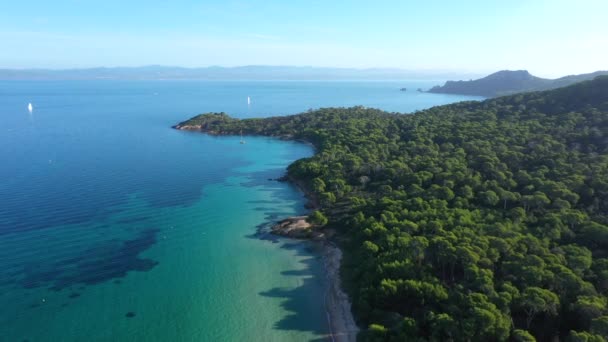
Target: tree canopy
{"x": 477, "y": 221}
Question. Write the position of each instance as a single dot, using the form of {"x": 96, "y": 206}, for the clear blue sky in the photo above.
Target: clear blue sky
{"x": 547, "y": 37}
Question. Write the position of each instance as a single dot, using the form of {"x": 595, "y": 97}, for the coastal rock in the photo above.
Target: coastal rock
{"x": 294, "y": 227}
{"x": 188, "y": 127}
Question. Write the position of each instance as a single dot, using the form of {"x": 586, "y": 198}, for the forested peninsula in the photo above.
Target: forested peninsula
{"x": 508, "y": 82}
{"x": 476, "y": 221}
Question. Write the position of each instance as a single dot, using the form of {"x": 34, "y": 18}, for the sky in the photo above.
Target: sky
{"x": 550, "y": 38}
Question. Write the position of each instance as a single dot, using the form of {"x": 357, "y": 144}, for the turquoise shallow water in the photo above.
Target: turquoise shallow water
{"x": 211, "y": 278}
{"x": 114, "y": 227}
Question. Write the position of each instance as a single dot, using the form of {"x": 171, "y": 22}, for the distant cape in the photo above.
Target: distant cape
{"x": 251, "y": 72}
{"x": 509, "y": 82}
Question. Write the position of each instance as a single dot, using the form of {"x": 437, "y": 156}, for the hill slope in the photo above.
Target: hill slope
{"x": 508, "y": 82}
{"x": 477, "y": 221}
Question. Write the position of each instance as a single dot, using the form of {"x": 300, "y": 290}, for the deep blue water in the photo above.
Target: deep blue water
{"x": 104, "y": 209}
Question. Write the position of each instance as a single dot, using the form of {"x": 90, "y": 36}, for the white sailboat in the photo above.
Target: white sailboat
{"x": 30, "y": 108}
{"x": 242, "y": 141}
{"x": 248, "y": 100}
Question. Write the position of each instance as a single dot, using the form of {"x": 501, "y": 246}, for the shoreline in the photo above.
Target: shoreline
{"x": 342, "y": 325}
{"x": 340, "y": 319}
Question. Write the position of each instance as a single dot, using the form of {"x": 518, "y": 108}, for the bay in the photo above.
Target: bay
{"x": 115, "y": 227}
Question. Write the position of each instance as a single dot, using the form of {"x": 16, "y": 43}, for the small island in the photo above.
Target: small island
{"x": 473, "y": 221}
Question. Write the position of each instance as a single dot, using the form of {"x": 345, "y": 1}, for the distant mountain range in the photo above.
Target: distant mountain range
{"x": 254, "y": 72}
{"x": 508, "y": 82}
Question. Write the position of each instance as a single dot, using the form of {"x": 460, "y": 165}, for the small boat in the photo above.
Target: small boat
{"x": 242, "y": 141}
{"x": 30, "y": 108}
{"x": 248, "y": 100}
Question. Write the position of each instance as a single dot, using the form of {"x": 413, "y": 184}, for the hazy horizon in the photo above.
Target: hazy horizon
{"x": 334, "y": 73}
{"x": 548, "y": 38}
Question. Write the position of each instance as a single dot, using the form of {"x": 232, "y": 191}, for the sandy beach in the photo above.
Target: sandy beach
{"x": 337, "y": 304}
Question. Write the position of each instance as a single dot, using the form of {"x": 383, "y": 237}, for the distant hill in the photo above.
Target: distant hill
{"x": 251, "y": 72}
{"x": 509, "y": 82}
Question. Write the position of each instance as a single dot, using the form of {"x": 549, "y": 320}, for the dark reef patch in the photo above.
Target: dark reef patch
{"x": 132, "y": 220}
{"x": 130, "y": 314}
{"x": 103, "y": 262}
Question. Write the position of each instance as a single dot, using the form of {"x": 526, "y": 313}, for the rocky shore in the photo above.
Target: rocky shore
{"x": 297, "y": 227}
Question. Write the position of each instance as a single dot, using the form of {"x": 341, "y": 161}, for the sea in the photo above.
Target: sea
{"x": 116, "y": 227}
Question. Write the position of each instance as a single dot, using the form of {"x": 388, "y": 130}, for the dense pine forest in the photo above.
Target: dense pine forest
{"x": 477, "y": 221}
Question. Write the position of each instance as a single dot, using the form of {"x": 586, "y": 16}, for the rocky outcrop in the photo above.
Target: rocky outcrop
{"x": 297, "y": 227}
{"x": 189, "y": 127}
